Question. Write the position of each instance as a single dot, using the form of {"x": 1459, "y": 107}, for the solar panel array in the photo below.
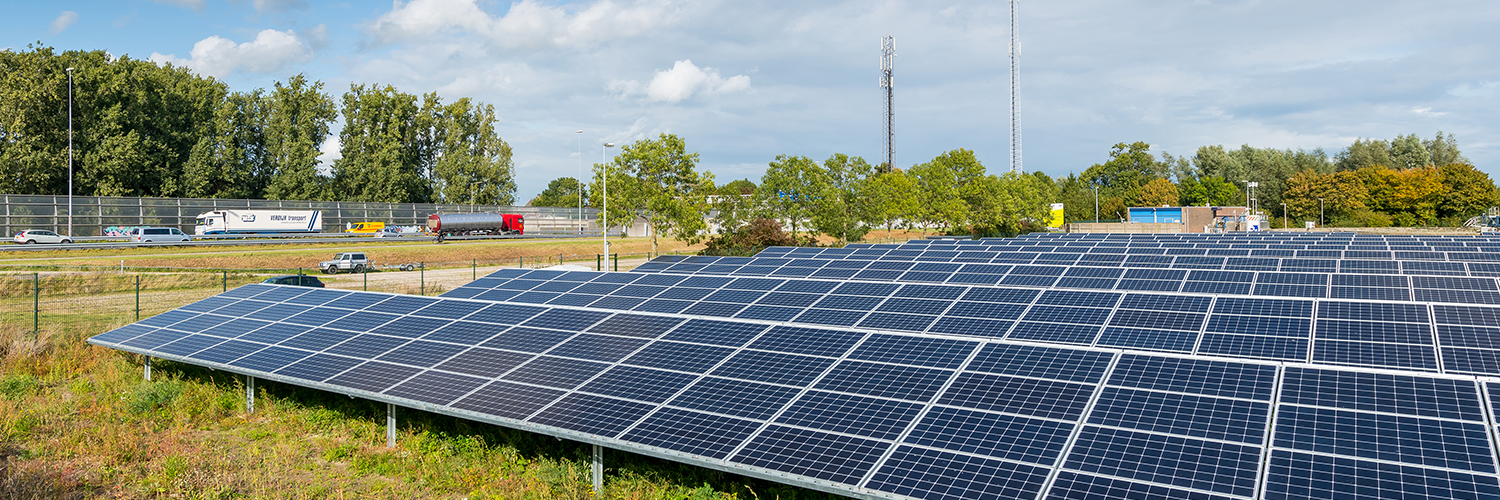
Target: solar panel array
{"x": 908, "y": 390}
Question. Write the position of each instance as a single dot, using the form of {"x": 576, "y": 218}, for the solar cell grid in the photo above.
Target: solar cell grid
{"x": 1168, "y": 460}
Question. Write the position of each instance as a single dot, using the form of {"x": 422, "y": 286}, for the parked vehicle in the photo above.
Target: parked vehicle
{"x": 158, "y": 234}
{"x": 295, "y": 280}
{"x": 486, "y": 223}
{"x": 365, "y": 227}
{"x": 259, "y": 221}
{"x": 354, "y": 262}
{"x": 34, "y": 236}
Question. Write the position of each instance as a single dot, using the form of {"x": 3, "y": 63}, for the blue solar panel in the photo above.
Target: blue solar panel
{"x": 592, "y": 414}
{"x": 319, "y": 367}
{"x": 1254, "y": 346}
{"x": 850, "y": 414}
{"x": 1181, "y": 414}
{"x": 713, "y": 436}
{"x": 641, "y": 384}
{"x": 1417, "y": 441}
{"x": 1170, "y": 460}
{"x": 1055, "y": 332}
{"x": 813, "y": 454}
{"x": 1417, "y": 357}
{"x": 1196, "y": 376}
{"x": 1020, "y": 396}
{"x": 776, "y": 368}
{"x": 934, "y": 474}
{"x": 556, "y": 372}
{"x": 488, "y": 363}
{"x": 1301, "y": 475}
{"x": 436, "y": 387}
{"x": 1074, "y": 485}
{"x": 374, "y": 376}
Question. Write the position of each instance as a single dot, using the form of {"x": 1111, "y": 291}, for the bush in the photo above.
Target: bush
{"x": 760, "y": 233}
{"x": 1364, "y": 218}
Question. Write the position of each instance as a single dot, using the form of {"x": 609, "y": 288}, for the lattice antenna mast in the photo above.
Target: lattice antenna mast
{"x": 1015, "y": 83}
{"x": 887, "y": 63}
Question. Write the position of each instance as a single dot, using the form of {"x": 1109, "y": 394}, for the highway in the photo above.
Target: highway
{"x": 118, "y": 242}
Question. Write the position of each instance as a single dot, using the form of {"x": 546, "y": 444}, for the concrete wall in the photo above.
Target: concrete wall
{"x": 1125, "y": 227}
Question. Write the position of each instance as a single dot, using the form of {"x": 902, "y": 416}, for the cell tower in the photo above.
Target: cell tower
{"x": 887, "y": 62}
{"x": 1015, "y": 83}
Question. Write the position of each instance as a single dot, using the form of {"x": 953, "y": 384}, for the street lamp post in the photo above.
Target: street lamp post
{"x": 1285, "y": 224}
{"x": 578, "y": 187}
{"x": 1096, "y": 204}
{"x": 1320, "y": 212}
{"x": 604, "y": 179}
{"x": 70, "y": 152}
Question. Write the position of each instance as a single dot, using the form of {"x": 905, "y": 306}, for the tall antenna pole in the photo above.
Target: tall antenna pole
{"x": 1015, "y": 82}
{"x": 887, "y": 63}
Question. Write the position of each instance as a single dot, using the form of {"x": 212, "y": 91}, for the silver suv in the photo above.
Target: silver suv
{"x": 354, "y": 262}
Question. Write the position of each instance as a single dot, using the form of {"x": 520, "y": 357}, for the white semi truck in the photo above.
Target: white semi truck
{"x": 259, "y": 221}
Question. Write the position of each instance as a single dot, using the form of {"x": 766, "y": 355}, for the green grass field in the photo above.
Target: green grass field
{"x": 79, "y": 421}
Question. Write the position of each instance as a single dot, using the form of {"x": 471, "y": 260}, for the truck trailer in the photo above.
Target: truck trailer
{"x": 259, "y": 221}
{"x": 486, "y": 223}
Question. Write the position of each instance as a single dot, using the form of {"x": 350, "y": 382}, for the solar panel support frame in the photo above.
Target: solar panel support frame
{"x": 146, "y": 367}
{"x": 249, "y": 394}
{"x": 390, "y": 425}
{"x": 598, "y": 471}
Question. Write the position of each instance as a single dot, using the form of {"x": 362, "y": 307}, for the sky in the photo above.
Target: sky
{"x": 743, "y": 82}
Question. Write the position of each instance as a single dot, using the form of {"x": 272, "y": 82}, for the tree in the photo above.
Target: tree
{"x": 739, "y": 187}
{"x": 892, "y": 197}
{"x": 1444, "y": 150}
{"x": 1407, "y": 151}
{"x": 1131, "y": 167}
{"x": 791, "y": 190}
{"x": 1157, "y": 193}
{"x": 842, "y": 206}
{"x": 1341, "y": 194}
{"x": 658, "y": 179}
{"x": 561, "y": 192}
{"x": 947, "y": 187}
{"x": 1364, "y": 154}
{"x": 1467, "y": 191}
{"x": 379, "y": 159}
{"x": 299, "y": 114}
{"x": 470, "y": 162}
{"x": 1010, "y": 201}
{"x": 230, "y": 162}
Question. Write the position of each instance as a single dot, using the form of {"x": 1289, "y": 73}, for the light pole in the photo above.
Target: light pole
{"x": 1320, "y": 212}
{"x": 578, "y": 188}
{"x": 1096, "y": 203}
{"x": 604, "y": 180}
{"x": 1284, "y": 222}
{"x": 70, "y": 152}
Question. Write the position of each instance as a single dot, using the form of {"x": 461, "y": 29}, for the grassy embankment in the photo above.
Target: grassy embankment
{"x": 78, "y": 421}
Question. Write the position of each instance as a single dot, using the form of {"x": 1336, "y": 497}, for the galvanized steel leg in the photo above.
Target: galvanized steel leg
{"x": 598, "y": 471}
{"x": 148, "y": 368}
{"x": 249, "y": 394}
{"x": 390, "y": 425}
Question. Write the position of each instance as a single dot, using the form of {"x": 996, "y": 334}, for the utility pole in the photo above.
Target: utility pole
{"x": 1015, "y": 82}
{"x": 887, "y": 65}
{"x": 70, "y": 153}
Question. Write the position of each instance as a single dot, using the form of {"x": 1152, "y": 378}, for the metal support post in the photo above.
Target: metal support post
{"x": 36, "y": 305}
{"x": 390, "y": 425}
{"x": 598, "y": 262}
{"x": 137, "y": 297}
{"x": 422, "y": 275}
{"x": 617, "y": 261}
{"x": 474, "y": 269}
{"x": 147, "y": 368}
{"x": 366, "y": 276}
{"x": 249, "y": 394}
{"x": 598, "y": 471}
{"x": 521, "y": 262}
{"x": 226, "y": 280}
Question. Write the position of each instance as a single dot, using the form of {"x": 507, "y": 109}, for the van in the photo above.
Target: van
{"x": 158, "y": 234}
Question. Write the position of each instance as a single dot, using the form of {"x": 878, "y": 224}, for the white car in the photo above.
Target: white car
{"x": 34, "y": 236}
{"x": 158, "y": 234}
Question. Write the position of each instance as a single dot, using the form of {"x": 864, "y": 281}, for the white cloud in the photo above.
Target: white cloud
{"x": 681, "y": 82}
{"x": 527, "y": 24}
{"x": 215, "y": 56}
{"x": 63, "y": 21}
{"x": 196, "y": 5}
{"x": 1427, "y": 111}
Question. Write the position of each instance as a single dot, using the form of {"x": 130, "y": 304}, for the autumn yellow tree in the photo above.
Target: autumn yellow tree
{"x": 1341, "y": 193}
{"x": 1158, "y": 193}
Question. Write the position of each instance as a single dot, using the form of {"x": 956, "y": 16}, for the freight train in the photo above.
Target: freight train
{"x": 485, "y": 223}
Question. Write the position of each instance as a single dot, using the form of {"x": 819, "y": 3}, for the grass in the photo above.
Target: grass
{"x": 78, "y": 421}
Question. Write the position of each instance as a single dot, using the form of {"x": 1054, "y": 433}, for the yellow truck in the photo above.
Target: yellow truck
{"x": 365, "y": 227}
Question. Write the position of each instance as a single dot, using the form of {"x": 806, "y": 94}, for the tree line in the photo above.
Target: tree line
{"x": 141, "y": 129}
{"x": 1407, "y": 181}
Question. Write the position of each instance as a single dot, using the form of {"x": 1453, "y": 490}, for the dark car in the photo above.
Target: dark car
{"x": 295, "y": 279}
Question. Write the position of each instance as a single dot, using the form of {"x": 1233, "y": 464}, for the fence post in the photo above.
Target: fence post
{"x": 366, "y": 276}
{"x": 137, "y": 297}
{"x": 617, "y": 262}
{"x": 226, "y": 280}
{"x": 422, "y": 275}
{"x": 521, "y": 262}
{"x": 36, "y": 305}
{"x": 474, "y": 269}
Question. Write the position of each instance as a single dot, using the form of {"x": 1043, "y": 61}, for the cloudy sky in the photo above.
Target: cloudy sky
{"x": 745, "y": 81}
